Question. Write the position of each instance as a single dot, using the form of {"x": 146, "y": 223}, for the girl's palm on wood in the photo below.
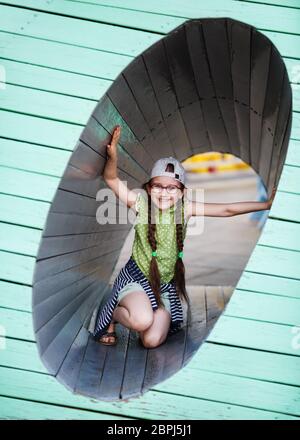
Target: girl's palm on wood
{"x": 112, "y": 146}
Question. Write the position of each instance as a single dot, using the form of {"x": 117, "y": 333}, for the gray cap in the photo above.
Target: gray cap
{"x": 160, "y": 166}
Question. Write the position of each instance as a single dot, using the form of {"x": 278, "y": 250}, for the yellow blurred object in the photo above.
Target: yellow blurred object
{"x": 203, "y": 157}
{"x": 214, "y": 162}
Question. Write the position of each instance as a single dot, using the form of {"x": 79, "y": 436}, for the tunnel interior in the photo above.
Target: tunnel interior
{"x": 211, "y": 84}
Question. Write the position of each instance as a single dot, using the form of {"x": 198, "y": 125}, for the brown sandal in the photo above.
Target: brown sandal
{"x": 107, "y": 334}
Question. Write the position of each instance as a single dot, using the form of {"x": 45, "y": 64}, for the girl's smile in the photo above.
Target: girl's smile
{"x": 159, "y": 190}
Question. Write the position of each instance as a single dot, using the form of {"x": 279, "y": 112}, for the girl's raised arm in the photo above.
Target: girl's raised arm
{"x": 110, "y": 173}
{"x": 228, "y": 209}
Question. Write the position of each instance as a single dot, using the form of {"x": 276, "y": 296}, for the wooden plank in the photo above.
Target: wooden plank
{"x": 69, "y": 84}
{"x": 15, "y": 296}
{"x": 27, "y": 410}
{"x": 82, "y": 86}
{"x": 289, "y": 178}
{"x": 99, "y": 64}
{"x": 43, "y": 53}
{"x": 71, "y": 368}
{"x": 56, "y": 106}
{"x": 134, "y": 371}
{"x": 281, "y": 234}
{"x": 32, "y": 386}
{"x": 46, "y": 287}
{"x": 210, "y": 122}
{"x": 58, "y": 264}
{"x": 58, "y": 134}
{"x": 17, "y": 324}
{"x": 293, "y": 156}
{"x": 30, "y": 185}
{"x": 281, "y": 208}
{"x": 19, "y": 239}
{"x": 109, "y": 387}
{"x": 235, "y": 390}
{"x": 132, "y": 13}
{"x": 33, "y": 213}
{"x": 54, "y": 246}
{"x": 56, "y": 337}
{"x": 268, "y": 308}
{"x": 48, "y": 309}
{"x": 255, "y": 334}
{"x": 22, "y": 211}
{"x": 81, "y": 33}
{"x": 202, "y": 316}
{"x": 282, "y": 262}
{"x": 269, "y": 284}
{"x": 33, "y": 158}
{"x": 91, "y": 369}
{"x": 163, "y": 361}
{"x": 243, "y": 362}
{"x": 175, "y": 52}
{"x": 38, "y": 130}
{"x": 8, "y": 264}
{"x": 226, "y": 359}
{"x": 287, "y": 3}
{"x": 73, "y": 224}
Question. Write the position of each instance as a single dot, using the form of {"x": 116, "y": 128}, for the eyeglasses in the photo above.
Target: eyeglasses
{"x": 157, "y": 188}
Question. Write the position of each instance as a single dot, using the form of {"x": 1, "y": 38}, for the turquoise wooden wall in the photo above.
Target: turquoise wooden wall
{"x": 57, "y": 58}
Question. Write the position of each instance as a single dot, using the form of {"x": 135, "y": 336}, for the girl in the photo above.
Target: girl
{"x": 147, "y": 293}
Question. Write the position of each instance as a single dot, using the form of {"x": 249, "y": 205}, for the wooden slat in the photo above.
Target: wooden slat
{"x": 41, "y": 411}
{"x": 268, "y": 308}
{"x": 133, "y": 13}
{"x": 280, "y": 234}
{"x": 19, "y": 239}
{"x": 263, "y": 395}
{"x": 54, "y": 80}
{"x": 33, "y": 158}
{"x": 91, "y": 88}
{"x": 47, "y": 287}
{"x": 8, "y": 264}
{"x": 287, "y": 3}
{"x": 244, "y": 362}
{"x": 217, "y": 358}
{"x": 293, "y": 156}
{"x": 269, "y": 284}
{"x": 15, "y": 296}
{"x": 32, "y": 386}
{"x": 135, "y": 365}
{"x": 279, "y": 262}
{"x": 22, "y": 211}
{"x": 254, "y": 334}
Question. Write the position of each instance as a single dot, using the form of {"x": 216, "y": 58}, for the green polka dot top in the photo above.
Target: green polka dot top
{"x": 165, "y": 234}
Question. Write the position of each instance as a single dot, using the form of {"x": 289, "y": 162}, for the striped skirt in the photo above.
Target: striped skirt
{"x": 130, "y": 273}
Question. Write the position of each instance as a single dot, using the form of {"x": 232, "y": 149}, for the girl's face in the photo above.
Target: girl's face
{"x": 164, "y": 191}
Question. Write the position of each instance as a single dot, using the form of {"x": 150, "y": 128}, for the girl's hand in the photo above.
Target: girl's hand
{"x": 112, "y": 146}
{"x": 270, "y": 201}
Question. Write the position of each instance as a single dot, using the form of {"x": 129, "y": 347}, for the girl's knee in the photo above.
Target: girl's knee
{"x": 141, "y": 321}
{"x": 152, "y": 340}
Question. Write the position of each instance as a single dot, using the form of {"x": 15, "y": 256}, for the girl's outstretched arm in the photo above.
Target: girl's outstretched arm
{"x": 229, "y": 209}
{"x": 110, "y": 173}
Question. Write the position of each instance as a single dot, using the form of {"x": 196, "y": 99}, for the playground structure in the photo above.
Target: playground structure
{"x": 206, "y": 108}
{"x": 57, "y": 60}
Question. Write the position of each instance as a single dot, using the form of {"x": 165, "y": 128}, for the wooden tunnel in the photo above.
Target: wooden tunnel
{"x": 211, "y": 84}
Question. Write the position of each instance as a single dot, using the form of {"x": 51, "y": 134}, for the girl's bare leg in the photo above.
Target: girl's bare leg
{"x": 156, "y": 334}
{"x": 134, "y": 311}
